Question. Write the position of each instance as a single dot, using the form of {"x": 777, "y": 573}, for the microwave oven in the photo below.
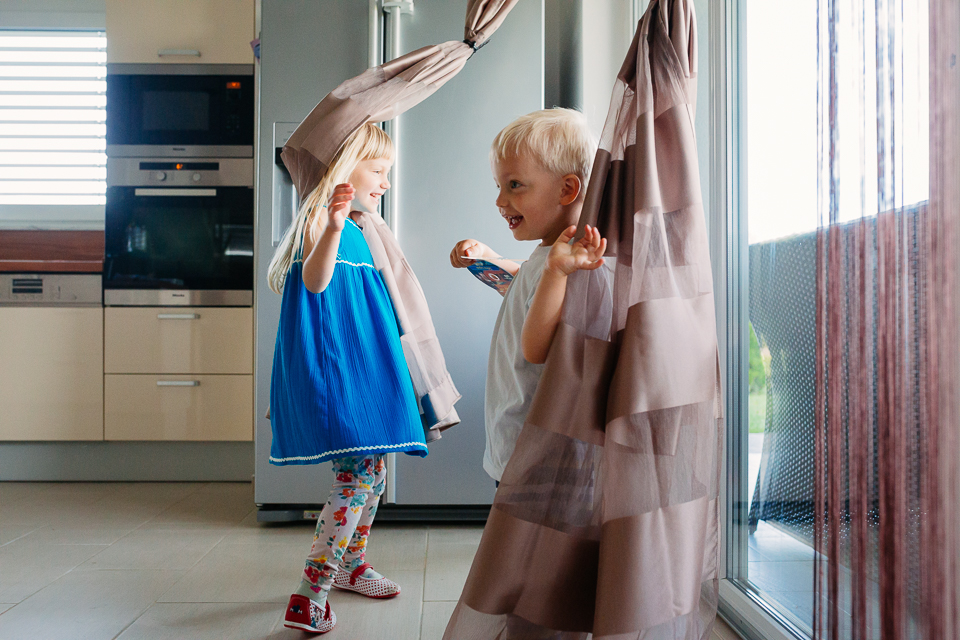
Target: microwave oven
{"x": 182, "y": 111}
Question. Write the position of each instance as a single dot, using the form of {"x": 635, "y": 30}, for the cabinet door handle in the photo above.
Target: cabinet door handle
{"x": 178, "y": 52}
{"x": 178, "y": 383}
{"x": 178, "y": 316}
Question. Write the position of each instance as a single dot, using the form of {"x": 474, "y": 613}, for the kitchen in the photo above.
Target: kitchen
{"x": 137, "y": 220}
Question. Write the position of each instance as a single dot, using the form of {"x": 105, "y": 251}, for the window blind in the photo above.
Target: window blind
{"x": 52, "y": 120}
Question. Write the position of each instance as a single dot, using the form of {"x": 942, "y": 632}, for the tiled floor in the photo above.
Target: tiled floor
{"x": 92, "y": 561}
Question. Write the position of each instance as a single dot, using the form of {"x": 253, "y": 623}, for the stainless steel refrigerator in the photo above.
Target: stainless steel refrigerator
{"x": 443, "y": 191}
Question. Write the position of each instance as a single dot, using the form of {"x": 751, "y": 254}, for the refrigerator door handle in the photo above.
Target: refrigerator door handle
{"x": 374, "y": 38}
{"x": 394, "y": 9}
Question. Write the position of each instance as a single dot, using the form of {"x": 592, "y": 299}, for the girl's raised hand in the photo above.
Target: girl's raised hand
{"x": 586, "y": 253}
{"x": 339, "y": 206}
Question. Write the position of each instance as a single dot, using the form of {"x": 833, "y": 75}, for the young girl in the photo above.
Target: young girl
{"x": 341, "y": 390}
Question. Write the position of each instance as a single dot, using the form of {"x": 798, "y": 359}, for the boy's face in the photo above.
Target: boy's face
{"x": 532, "y": 199}
{"x": 370, "y": 181}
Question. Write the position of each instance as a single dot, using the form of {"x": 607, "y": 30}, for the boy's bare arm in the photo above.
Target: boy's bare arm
{"x": 543, "y": 318}
{"x": 466, "y": 251}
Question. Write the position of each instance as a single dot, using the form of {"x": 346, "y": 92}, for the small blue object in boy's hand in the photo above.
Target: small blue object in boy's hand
{"x": 491, "y": 275}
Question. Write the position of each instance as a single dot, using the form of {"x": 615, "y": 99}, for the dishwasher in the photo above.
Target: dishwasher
{"x": 51, "y": 357}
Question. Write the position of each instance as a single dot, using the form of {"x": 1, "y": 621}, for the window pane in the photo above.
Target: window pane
{"x": 779, "y": 113}
{"x": 781, "y": 201}
{"x": 52, "y": 115}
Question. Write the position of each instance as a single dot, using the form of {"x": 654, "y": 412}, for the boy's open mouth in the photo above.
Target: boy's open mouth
{"x": 513, "y": 221}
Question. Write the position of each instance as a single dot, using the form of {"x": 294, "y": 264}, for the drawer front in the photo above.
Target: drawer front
{"x": 206, "y": 340}
{"x": 198, "y": 408}
{"x": 51, "y": 373}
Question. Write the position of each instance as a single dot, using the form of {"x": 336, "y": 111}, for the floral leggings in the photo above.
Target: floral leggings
{"x": 344, "y": 523}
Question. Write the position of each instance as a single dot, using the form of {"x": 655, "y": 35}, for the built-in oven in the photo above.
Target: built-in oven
{"x": 194, "y": 110}
{"x": 179, "y": 232}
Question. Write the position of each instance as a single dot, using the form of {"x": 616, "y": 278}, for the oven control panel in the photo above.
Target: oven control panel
{"x": 161, "y": 172}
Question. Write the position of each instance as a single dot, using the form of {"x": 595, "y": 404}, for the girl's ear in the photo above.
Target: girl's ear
{"x": 571, "y": 189}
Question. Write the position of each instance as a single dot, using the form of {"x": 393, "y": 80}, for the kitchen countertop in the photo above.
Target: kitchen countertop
{"x": 51, "y": 251}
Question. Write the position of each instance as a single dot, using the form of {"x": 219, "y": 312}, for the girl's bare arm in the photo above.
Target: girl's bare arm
{"x": 322, "y": 240}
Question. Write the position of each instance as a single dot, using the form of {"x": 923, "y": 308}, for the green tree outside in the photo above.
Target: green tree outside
{"x": 757, "y": 380}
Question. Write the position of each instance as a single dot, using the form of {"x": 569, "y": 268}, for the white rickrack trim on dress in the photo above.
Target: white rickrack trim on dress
{"x": 347, "y": 450}
{"x": 355, "y": 264}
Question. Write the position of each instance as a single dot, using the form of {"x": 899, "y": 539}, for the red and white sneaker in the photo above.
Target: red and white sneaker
{"x": 305, "y": 614}
{"x": 353, "y": 581}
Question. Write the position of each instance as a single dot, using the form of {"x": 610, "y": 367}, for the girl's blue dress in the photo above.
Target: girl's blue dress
{"x": 340, "y": 383}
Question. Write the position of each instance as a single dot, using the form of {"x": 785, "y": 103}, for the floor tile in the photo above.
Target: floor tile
{"x": 11, "y": 492}
{"x": 203, "y": 621}
{"x": 214, "y": 506}
{"x": 55, "y": 534}
{"x": 92, "y": 605}
{"x": 435, "y": 618}
{"x": 27, "y": 567}
{"x": 14, "y": 532}
{"x": 105, "y": 512}
{"x": 450, "y": 552}
{"x": 396, "y": 548}
{"x": 721, "y": 631}
{"x": 242, "y": 573}
{"x": 249, "y": 531}
{"x": 148, "y": 549}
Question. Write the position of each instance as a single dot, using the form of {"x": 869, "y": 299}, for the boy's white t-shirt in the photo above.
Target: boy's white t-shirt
{"x": 511, "y": 380}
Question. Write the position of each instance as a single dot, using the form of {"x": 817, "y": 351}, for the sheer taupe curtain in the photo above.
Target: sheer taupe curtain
{"x": 886, "y": 527}
{"x": 606, "y": 520}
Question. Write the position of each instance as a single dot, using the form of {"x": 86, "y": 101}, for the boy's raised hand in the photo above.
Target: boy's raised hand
{"x": 586, "y": 253}
{"x": 339, "y": 206}
{"x": 471, "y": 249}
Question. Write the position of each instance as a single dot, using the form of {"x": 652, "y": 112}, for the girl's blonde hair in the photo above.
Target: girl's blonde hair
{"x": 369, "y": 142}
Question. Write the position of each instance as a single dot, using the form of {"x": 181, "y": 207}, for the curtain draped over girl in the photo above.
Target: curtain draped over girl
{"x": 606, "y": 519}
{"x": 886, "y": 450}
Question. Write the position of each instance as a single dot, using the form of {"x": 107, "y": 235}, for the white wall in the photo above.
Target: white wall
{"x": 53, "y": 14}
{"x": 607, "y": 31}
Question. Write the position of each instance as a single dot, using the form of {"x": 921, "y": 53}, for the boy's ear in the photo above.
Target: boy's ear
{"x": 571, "y": 189}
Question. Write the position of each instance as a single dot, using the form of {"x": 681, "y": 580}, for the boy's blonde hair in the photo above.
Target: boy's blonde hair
{"x": 559, "y": 139}
{"x": 369, "y": 142}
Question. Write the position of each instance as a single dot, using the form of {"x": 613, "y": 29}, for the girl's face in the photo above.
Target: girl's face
{"x": 370, "y": 181}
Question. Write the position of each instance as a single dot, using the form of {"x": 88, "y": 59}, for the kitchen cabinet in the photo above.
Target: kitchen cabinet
{"x": 180, "y": 31}
{"x": 178, "y": 340}
{"x": 51, "y": 373}
{"x": 178, "y": 373}
{"x": 182, "y": 407}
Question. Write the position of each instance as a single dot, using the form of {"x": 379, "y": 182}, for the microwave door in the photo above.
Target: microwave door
{"x": 183, "y": 111}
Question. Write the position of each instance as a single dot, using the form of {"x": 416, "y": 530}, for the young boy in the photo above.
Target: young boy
{"x": 541, "y": 163}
